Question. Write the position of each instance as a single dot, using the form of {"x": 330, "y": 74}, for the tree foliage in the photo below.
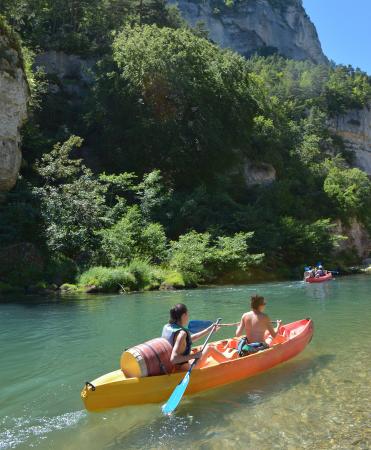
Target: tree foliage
{"x": 350, "y": 189}
{"x": 131, "y": 237}
{"x": 173, "y": 129}
{"x": 82, "y": 26}
{"x": 198, "y": 257}
{"x": 72, "y": 202}
{"x": 179, "y": 99}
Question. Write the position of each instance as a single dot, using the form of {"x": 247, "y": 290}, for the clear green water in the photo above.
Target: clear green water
{"x": 320, "y": 400}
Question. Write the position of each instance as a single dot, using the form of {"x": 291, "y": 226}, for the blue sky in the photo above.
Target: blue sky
{"x": 344, "y": 29}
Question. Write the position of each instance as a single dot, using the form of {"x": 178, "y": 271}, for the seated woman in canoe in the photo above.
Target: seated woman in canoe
{"x": 176, "y": 333}
{"x": 254, "y": 324}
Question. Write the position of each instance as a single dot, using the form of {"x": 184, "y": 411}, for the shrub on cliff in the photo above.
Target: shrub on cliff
{"x": 350, "y": 191}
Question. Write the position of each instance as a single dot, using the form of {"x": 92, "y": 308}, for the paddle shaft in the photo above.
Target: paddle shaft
{"x": 178, "y": 392}
{"x": 237, "y": 323}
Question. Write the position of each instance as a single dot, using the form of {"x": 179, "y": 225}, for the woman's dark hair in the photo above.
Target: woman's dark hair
{"x": 256, "y": 301}
{"x": 176, "y": 312}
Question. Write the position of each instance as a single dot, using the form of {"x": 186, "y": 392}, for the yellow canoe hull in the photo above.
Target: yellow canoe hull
{"x": 114, "y": 390}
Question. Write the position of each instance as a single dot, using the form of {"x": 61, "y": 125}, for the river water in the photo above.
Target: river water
{"x": 319, "y": 400}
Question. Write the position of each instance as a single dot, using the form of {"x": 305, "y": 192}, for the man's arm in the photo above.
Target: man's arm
{"x": 273, "y": 331}
{"x": 241, "y": 327}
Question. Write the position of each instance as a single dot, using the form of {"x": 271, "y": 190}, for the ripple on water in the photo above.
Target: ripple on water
{"x": 18, "y": 430}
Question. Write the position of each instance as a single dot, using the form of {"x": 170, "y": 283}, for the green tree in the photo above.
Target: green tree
{"x": 72, "y": 202}
{"x": 301, "y": 243}
{"x": 132, "y": 237}
{"x": 199, "y": 258}
{"x": 178, "y": 99}
{"x": 347, "y": 88}
{"x": 189, "y": 255}
{"x": 350, "y": 189}
{"x": 153, "y": 195}
{"x": 82, "y": 26}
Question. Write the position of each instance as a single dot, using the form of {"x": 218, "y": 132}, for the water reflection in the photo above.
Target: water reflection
{"x": 199, "y": 414}
{"x": 318, "y": 291}
{"x": 320, "y": 400}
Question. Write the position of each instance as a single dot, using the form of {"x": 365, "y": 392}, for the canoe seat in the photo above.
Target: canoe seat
{"x": 227, "y": 344}
{"x": 230, "y": 353}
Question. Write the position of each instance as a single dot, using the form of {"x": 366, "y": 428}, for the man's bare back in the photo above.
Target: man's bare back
{"x": 255, "y": 325}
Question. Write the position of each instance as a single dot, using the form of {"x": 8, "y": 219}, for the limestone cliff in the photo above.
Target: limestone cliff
{"x": 358, "y": 239}
{"x": 264, "y": 26}
{"x": 72, "y": 72}
{"x": 258, "y": 174}
{"x": 354, "y": 128}
{"x": 13, "y": 108}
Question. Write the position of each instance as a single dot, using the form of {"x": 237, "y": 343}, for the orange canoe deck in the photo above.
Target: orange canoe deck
{"x": 113, "y": 389}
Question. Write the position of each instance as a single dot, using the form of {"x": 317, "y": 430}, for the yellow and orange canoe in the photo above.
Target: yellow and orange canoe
{"x": 113, "y": 389}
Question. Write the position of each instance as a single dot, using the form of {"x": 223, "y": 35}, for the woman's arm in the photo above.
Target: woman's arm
{"x": 200, "y": 334}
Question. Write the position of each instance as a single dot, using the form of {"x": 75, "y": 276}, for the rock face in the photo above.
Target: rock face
{"x": 358, "y": 238}
{"x": 264, "y": 26}
{"x": 354, "y": 128}
{"x": 18, "y": 258}
{"x": 261, "y": 174}
{"x": 72, "y": 72}
{"x": 13, "y": 110}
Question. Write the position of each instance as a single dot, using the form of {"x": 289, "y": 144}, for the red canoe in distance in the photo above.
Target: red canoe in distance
{"x": 326, "y": 277}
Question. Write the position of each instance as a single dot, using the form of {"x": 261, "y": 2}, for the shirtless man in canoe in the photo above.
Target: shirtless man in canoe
{"x": 255, "y": 323}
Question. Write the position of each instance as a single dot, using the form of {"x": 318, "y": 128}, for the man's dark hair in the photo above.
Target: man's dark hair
{"x": 256, "y": 301}
{"x": 176, "y": 312}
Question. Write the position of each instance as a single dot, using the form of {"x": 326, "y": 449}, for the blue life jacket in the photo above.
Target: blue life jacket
{"x": 170, "y": 331}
